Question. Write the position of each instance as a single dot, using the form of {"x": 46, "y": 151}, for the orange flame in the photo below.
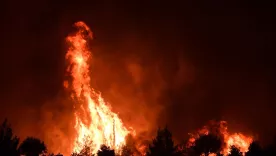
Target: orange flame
{"x": 95, "y": 124}
{"x": 238, "y": 140}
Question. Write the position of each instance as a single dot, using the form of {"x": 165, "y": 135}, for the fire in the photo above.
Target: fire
{"x": 95, "y": 123}
{"x": 238, "y": 140}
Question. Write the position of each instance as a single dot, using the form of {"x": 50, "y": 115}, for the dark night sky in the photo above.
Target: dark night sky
{"x": 215, "y": 57}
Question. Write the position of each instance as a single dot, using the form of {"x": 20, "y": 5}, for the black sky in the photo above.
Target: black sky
{"x": 228, "y": 45}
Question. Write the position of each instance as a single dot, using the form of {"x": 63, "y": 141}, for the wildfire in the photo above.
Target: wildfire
{"x": 95, "y": 124}
{"x": 238, "y": 140}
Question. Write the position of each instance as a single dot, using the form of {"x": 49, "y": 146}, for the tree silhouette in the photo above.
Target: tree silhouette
{"x": 254, "y": 149}
{"x": 86, "y": 151}
{"x": 162, "y": 144}
{"x": 270, "y": 150}
{"x": 105, "y": 151}
{"x": 207, "y": 144}
{"x": 235, "y": 151}
{"x": 32, "y": 147}
{"x": 8, "y": 142}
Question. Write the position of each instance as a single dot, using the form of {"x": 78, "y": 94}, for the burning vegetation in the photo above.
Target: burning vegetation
{"x": 96, "y": 124}
{"x": 100, "y": 131}
{"x": 225, "y": 140}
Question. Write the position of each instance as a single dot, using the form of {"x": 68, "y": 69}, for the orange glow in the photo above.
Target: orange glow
{"x": 95, "y": 123}
{"x": 239, "y": 140}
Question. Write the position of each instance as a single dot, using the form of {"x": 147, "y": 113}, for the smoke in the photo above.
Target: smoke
{"x": 131, "y": 83}
{"x": 144, "y": 86}
{"x": 137, "y": 82}
{"x": 142, "y": 74}
{"x": 57, "y": 125}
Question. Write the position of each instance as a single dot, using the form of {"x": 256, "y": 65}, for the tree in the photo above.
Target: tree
{"x": 235, "y": 151}
{"x": 105, "y": 151}
{"x": 254, "y": 149}
{"x": 86, "y": 151}
{"x": 32, "y": 147}
{"x": 207, "y": 144}
{"x": 8, "y": 142}
{"x": 270, "y": 150}
{"x": 162, "y": 144}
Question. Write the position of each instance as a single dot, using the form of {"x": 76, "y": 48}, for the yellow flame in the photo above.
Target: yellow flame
{"x": 238, "y": 140}
{"x": 95, "y": 124}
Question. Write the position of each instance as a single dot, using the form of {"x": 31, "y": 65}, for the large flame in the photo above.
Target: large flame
{"x": 238, "y": 140}
{"x": 95, "y": 124}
